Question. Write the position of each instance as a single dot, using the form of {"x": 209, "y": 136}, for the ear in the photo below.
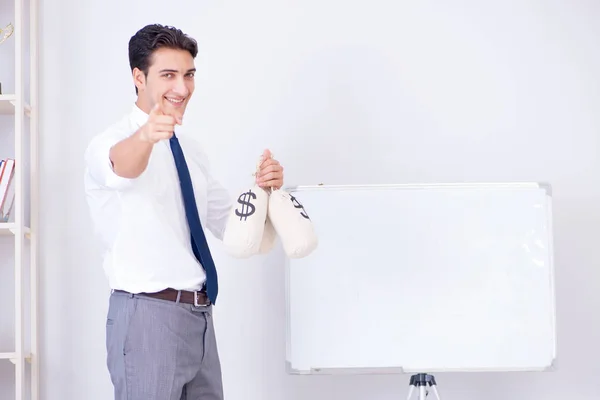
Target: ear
{"x": 139, "y": 79}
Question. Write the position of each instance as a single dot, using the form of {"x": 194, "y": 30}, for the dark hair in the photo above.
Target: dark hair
{"x": 153, "y": 37}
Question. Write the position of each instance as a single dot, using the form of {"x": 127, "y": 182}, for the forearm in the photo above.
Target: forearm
{"x": 130, "y": 156}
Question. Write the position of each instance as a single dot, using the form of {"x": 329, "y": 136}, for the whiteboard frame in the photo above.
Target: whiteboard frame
{"x": 400, "y": 370}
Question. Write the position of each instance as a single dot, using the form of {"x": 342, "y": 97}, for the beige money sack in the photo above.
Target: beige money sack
{"x": 269, "y": 237}
{"x": 246, "y": 223}
{"x": 292, "y": 224}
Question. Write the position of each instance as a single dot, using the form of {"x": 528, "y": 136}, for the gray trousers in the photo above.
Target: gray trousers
{"x": 161, "y": 350}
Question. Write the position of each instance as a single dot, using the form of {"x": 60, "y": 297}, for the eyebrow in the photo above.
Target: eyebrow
{"x": 175, "y": 71}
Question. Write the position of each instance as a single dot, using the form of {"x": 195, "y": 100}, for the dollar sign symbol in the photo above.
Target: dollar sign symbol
{"x": 297, "y": 204}
{"x": 247, "y": 208}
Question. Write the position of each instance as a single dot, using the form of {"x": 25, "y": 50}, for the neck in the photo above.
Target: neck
{"x": 143, "y": 105}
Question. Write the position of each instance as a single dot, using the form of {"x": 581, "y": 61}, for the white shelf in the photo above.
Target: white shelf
{"x": 10, "y": 228}
{"x": 7, "y": 105}
{"x": 8, "y": 356}
{"x": 7, "y": 228}
{"x": 12, "y": 357}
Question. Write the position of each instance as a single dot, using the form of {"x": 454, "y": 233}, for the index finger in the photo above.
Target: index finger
{"x": 156, "y": 110}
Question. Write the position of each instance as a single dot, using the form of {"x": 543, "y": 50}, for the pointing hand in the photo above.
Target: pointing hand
{"x": 159, "y": 125}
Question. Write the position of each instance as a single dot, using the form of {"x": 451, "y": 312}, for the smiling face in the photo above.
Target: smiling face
{"x": 169, "y": 81}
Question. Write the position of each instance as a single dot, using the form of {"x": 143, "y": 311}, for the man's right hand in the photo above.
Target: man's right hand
{"x": 159, "y": 125}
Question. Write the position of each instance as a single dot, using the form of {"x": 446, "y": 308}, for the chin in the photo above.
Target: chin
{"x": 177, "y": 109}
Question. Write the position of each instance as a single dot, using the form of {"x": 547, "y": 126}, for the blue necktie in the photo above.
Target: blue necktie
{"x": 199, "y": 244}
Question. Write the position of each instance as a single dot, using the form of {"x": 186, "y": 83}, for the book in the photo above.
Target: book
{"x": 7, "y": 188}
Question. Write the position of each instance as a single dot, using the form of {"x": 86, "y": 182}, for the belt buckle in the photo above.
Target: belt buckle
{"x": 196, "y": 304}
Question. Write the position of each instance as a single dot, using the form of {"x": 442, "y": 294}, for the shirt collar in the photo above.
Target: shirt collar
{"x": 138, "y": 117}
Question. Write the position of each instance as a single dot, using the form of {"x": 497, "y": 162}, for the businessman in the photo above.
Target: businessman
{"x": 151, "y": 197}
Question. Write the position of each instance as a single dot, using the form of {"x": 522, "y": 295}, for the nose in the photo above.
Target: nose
{"x": 180, "y": 87}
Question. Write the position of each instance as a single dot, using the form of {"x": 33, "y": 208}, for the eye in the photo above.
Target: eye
{"x": 190, "y": 75}
{"x": 168, "y": 75}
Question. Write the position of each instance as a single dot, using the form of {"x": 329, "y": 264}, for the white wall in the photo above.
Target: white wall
{"x": 342, "y": 92}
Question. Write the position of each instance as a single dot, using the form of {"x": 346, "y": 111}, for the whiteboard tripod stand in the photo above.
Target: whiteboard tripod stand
{"x": 421, "y": 381}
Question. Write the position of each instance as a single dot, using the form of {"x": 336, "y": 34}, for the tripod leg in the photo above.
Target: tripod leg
{"x": 434, "y": 388}
{"x": 410, "y": 392}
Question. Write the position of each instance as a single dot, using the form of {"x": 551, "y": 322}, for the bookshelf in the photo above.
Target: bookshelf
{"x": 19, "y": 140}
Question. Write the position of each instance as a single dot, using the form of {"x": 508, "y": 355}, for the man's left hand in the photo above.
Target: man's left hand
{"x": 270, "y": 172}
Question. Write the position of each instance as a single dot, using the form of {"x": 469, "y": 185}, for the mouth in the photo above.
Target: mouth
{"x": 175, "y": 101}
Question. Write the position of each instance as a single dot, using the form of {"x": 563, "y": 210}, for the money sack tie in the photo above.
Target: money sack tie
{"x": 245, "y": 227}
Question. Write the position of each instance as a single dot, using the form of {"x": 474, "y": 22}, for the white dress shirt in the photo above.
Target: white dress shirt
{"x": 141, "y": 222}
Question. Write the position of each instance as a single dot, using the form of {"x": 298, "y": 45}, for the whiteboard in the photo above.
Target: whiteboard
{"x": 424, "y": 278}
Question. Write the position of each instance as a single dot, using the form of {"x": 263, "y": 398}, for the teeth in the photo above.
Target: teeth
{"x": 175, "y": 100}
